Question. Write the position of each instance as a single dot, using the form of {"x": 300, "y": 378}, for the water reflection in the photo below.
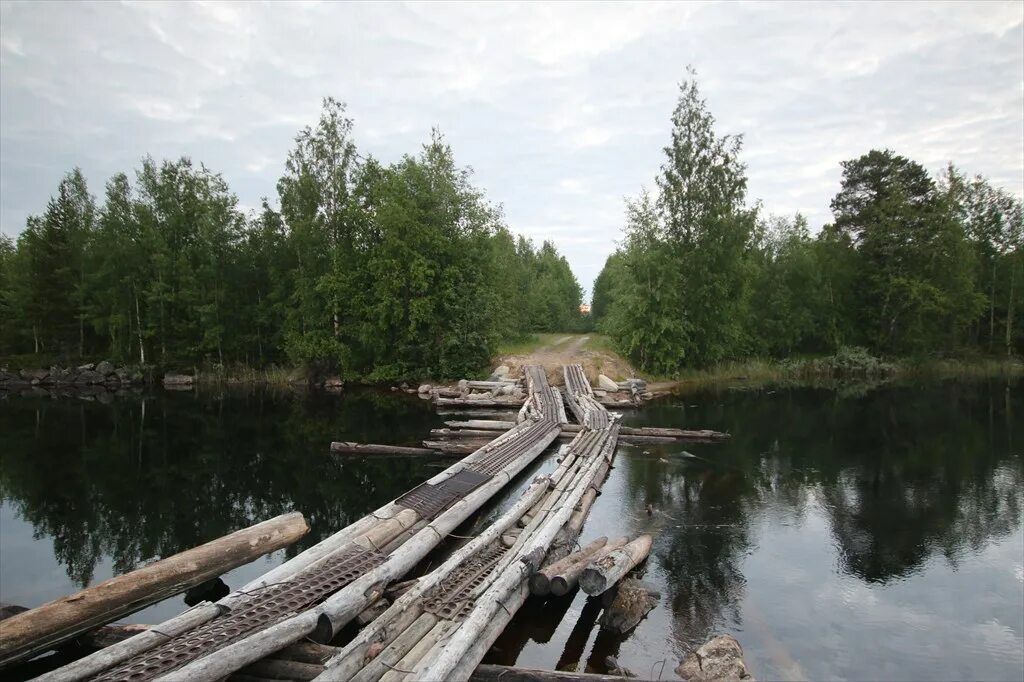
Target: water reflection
{"x": 859, "y": 534}
{"x": 147, "y": 478}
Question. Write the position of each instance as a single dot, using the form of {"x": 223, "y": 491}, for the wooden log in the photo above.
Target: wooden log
{"x": 409, "y": 661}
{"x": 601, "y": 574}
{"x": 482, "y": 402}
{"x": 394, "y": 652}
{"x": 675, "y": 434}
{"x": 454, "y": 448}
{"x": 540, "y": 582}
{"x": 371, "y": 612}
{"x": 396, "y": 590}
{"x": 348, "y": 448}
{"x": 564, "y": 579}
{"x": 307, "y": 652}
{"x": 277, "y": 669}
{"x": 486, "y": 672}
{"x": 47, "y": 626}
{"x": 108, "y": 635}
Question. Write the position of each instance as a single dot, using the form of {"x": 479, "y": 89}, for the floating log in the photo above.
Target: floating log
{"x": 47, "y": 626}
{"x": 566, "y": 573}
{"x": 454, "y": 448}
{"x": 347, "y": 448}
{"x": 540, "y": 582}
{"x": 675, "y": 434}
{"x": 503, "y": 673}
{"x": 601, "y": 574}
{"x": 481, "y": 402}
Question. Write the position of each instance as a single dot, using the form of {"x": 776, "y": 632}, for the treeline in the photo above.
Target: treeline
{"x": 910, "y": 266}
{"x": 370, "y": 270}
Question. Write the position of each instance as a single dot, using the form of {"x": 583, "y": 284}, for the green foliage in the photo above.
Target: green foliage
{"x": 908, "y": 268}
{"x": 371, "y": 271}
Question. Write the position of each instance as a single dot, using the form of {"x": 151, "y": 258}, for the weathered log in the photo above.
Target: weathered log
{"x": 45, "y": 627}
{"x": 307, "y": 652}
{"x": 347, "y": 448}
{"x": 564, "y": 579}
{"x": 277, "y": 669}
{"x": 632, "y": 601}
{"x": 409, "y": 661}
{"x": 454, "y": 448}
{"x": 540, "y": 582}
{"x": 502, "y": 673}
{"x": 394, "y": 652}
{"x": 676, "y": 434}
{"x": 396, "y": 590}
{"x": 371, "y": 612}
{"x": 599, "y": 575}
{"x": 484, "y": 402}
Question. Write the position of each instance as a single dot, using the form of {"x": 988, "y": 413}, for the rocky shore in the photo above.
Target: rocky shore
{"x": 90, "y": 377}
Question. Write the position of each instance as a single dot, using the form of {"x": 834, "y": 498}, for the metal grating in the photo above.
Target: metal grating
{"x": 429, "y": 500}
{"x": 453, "y": 599}
{"x": 263, "y": 609}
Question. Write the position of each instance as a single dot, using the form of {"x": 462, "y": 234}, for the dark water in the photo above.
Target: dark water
{"x": 837, "y": 536}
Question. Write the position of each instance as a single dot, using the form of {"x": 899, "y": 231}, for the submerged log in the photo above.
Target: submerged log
{"x": 503, "y": 673}
{"x": 632, "y": 601}
{"x": 347, "y": 448}
{"x": 47, "y": 626}
{"x": 599, "y": 575}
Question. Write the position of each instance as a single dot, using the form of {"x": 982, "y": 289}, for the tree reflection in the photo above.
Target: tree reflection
{"x": 141, "y": 479}
{"x": 901, "y": 474}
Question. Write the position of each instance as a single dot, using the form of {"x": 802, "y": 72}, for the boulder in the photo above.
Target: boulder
{"x": 123, "y": 374}
{"x": 105, "y": 368}
{"x": 463, "y": 386}
{"x": 606, "y": 383}
{"x": 35, "y": 375}
{"x": 88, "y": 377}
{"x": 720, "y": 658}
{"x": 178, "y": 379}
{"x": 424, "y": 388}
{"x": 87, "y": 367}
{"x": 501, "y": 371}
{"x": 508, "y": 389}
{"x": 598, "y": 393}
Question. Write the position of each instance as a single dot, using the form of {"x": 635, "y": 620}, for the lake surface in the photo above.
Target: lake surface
{"x": 853, "y": 535}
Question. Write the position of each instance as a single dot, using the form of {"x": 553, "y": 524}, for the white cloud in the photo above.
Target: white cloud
{"x": 562, "y": 109}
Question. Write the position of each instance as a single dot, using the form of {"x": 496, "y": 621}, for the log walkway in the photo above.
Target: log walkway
{"x": 440, "y": 625}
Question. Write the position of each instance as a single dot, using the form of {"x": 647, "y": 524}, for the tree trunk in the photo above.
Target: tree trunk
{"x": 138, "y": 329}
{"x": 1009, "y": 316}
{"x": 43, "y": 628}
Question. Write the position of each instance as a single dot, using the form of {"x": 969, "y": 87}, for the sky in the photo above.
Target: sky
{"x": 562, "y": 110}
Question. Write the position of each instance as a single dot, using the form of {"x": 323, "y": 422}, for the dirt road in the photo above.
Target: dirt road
{"x": 569, "y": 349}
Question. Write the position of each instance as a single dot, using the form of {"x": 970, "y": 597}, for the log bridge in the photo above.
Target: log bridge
{"x": 440, "y": 625}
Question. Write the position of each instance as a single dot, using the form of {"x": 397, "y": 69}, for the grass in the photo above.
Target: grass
{"x": 270, "y": 376}
{"x": 528, "y": 344}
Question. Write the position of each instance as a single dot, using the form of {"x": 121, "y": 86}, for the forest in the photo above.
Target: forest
{"x": 912, "y": 266}
{"x": 371, "y": 271}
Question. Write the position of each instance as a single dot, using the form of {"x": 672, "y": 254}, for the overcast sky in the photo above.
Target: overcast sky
{"x": 562, "y": 109}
